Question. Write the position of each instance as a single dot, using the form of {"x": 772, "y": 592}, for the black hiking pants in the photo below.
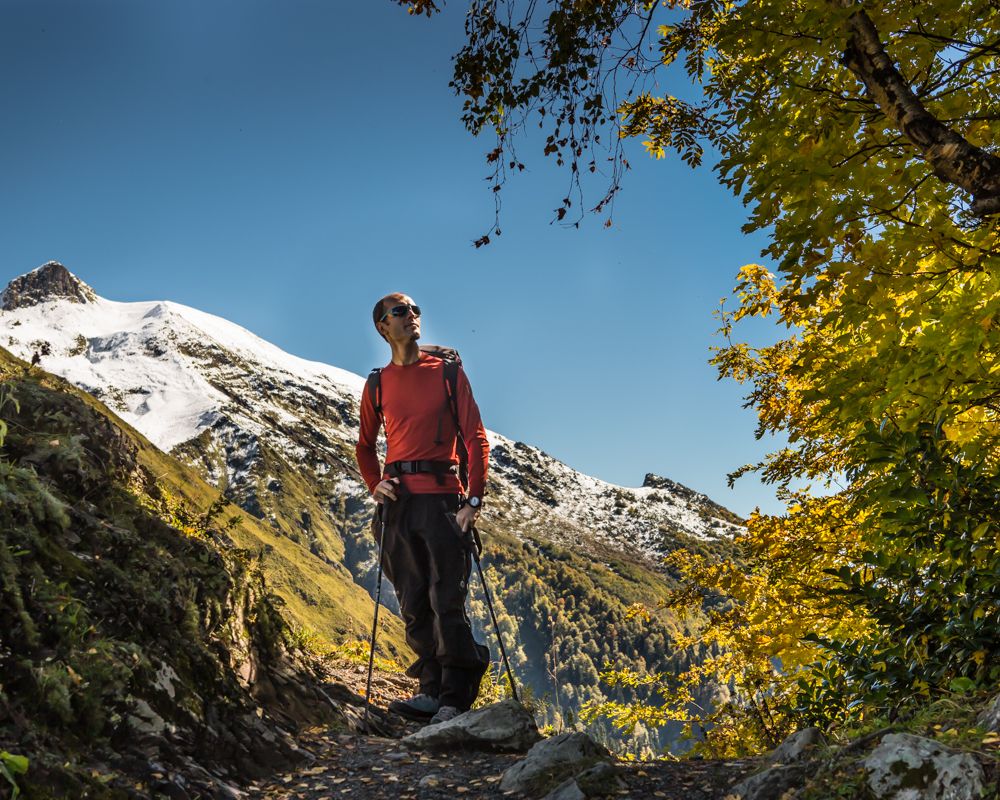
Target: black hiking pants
{"x": 428, "y": 560}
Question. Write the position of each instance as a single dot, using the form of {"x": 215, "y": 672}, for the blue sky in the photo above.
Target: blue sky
{"x": 284, "y": 164}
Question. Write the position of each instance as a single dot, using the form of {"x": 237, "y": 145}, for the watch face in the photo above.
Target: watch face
{"x": 474, "y": 502}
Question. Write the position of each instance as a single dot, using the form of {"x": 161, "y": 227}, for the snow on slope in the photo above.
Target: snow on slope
{"x": 120, "y": 352}
{"x": 173, "y": 372}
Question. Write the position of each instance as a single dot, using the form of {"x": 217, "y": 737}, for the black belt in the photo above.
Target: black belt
{"x": 397, "y": 468}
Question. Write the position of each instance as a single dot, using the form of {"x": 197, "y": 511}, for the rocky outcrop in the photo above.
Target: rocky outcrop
{"x": 908, "y": 767}
{"x": 506, "y": 726}
{"x": 48, "y": 282}
{"x": 553, "y": 762}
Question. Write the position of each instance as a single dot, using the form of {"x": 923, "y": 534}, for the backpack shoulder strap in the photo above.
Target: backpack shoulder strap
{"x": 451, "y": 387}
{"x": 375, "y": 390}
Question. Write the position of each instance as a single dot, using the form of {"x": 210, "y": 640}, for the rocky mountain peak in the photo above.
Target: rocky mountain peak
{"x": 653, "y": 481}
{"x": 49, "y": 282}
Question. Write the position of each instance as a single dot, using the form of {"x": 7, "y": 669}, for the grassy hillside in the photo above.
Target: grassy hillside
{"x": 318, "y": 593}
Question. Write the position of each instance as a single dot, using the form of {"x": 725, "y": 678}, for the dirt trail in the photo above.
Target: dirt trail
{"x": 380, "y": 767}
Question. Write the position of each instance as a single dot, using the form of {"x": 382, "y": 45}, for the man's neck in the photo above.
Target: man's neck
{"x": 405, "y": 353}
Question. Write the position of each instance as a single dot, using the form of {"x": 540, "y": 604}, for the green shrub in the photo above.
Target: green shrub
{"x": 929, "y": 577}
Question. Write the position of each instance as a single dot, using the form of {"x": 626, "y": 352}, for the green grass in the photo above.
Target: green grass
{"x": 317, "y": 595}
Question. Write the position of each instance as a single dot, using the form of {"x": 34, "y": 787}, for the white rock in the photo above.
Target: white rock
{"x": 908, "y": 767}
{"x": 553, "y": 761}
{"x": 502, "y": 726}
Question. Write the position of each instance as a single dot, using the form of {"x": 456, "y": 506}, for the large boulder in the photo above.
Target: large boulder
{"x": 908, "y": 767}
{"x": 505, "y": 726}
{"x": 553, "y": 761}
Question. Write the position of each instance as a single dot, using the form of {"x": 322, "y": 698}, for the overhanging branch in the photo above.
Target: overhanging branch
{"x": 952, "y": 158}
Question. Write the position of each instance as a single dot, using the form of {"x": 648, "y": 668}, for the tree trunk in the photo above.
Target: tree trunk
{"x": 952, "y": 157}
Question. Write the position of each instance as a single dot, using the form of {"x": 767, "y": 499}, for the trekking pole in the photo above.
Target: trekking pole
{"x": 378, "y": 599}
{"x": 477, "y": 547}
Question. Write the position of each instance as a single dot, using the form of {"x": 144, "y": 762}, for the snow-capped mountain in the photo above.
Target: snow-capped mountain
{"x": 219, "y": 396}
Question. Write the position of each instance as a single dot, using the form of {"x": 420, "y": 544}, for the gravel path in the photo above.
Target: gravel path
{"x": 380, "y": 768}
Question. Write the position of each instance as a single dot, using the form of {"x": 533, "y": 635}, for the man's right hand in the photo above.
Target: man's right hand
{"x": 386, "y": 490}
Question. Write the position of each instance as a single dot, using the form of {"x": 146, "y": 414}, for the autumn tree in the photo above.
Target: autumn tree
{"x": 862, "y": 139}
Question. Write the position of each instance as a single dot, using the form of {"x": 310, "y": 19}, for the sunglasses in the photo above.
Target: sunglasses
{"x": 401, "y": 311}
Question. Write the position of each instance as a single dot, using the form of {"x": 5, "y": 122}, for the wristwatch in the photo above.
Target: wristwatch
{"x": 475, "y": 502}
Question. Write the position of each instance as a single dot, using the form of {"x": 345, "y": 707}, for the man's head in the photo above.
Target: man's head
{"x": 397, "y": 318}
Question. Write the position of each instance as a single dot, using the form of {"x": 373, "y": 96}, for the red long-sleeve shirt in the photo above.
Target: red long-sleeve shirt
{"x": 414, "y": 403}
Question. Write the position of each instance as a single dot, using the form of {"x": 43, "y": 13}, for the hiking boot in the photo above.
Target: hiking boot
{"x": 444, "y": 714}
{"x": 420, "y": 707}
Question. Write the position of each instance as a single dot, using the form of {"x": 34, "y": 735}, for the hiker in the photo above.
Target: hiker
{"x": 428, "y": 518}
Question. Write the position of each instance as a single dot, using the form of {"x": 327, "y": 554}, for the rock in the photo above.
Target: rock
{"x": 785, "y": 769}
{"x": 908, "y": 767}
{"x": 431, "y": 781}
{"x": 653, "y": 481}
{"x": 48, "y": 282}
{"x": 552, "y": 761}
{"x": 989, "y": 718}
{"x": 227, "y": 792}
{"x": 772, "y": 783}
{"x": 568, "y": 790}
{"x": 505, "y": 726}
{"x": 601, "y": 779}
{"x": 796, "y": 746}
{"x": 145, "y": 720}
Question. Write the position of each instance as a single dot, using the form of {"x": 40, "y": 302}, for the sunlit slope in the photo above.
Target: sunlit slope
{"x": 318, "y": 595}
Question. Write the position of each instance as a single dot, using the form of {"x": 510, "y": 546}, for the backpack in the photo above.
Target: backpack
{"x": 452, "y": 361}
